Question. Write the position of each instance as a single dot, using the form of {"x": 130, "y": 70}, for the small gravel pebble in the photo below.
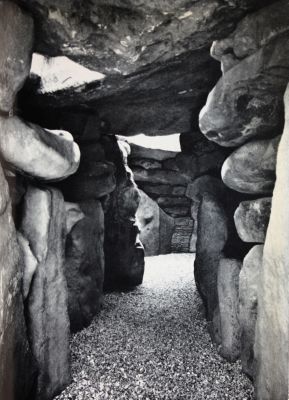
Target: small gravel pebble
{"x": 152, "y": 343}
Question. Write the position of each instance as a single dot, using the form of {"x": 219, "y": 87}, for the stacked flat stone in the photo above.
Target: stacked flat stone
{"x": 166, "y": 177}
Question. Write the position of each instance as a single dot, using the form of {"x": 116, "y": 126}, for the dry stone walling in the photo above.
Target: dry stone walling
{"x": 168, "y": 206}
{"x": 246, "y": 109}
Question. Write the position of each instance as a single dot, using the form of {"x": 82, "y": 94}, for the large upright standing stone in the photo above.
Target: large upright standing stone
{"x": 228, "y": 294}
{"x": 248, "y": 305}
{"x": 156, "y": 227}
{"x": 124, "y": 253}
{"x": 43, "y": 226}
{"x": 84, "y": 261}
{"x": 148, "y": 219}
{"x": 17, "y": 371}
{"x": 272, "y": 335}
{"x": 211, "y": 240}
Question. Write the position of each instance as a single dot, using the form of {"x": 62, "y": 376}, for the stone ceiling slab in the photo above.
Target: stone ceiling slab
{"x": 121, "y": 36}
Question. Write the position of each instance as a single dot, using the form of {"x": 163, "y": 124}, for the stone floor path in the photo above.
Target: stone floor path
{"x": 152, "y": 343}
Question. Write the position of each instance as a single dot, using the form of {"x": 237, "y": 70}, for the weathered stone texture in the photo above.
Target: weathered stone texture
{"x": 248, "y": 305}
{"x": 108, "y": 37}
{"x": 16, "y": 32}
{"x": 124, "y": 253}
{"x": 247, "y": 101}
{"x": 84, "y": 261}
{"x": 253, "y": 32}
{"x": 39, "y": 153}
{"x": 43, "y": 226}
{"x": 17, "y": 369}
{"x": 252, "y": 218}
{"x": 228, "y": 296}
{"x": 272, "y": 335}
{"x": 251, "y": 168}
{"x": 211, "y": 239}
{"x": 156, "y": 227}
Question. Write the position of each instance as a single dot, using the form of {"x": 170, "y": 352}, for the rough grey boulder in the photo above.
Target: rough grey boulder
{"x": 148, "y": 219}
{"x": 156, "y": 227}
{"x": 211, "y": 239}
{"x": 253, "y": 32}
{"x": 43, "y": 226}
{"x": 195, "y": 191}
{"x": 271, "y": 346}
{"x": 251, "y": 168}
{"x": 252, "y": 218}
{"x": 124, "y": 253}
{"x": 17, "y": 369}
{"x": 16, "y": 32}
{"x": 248, "y": 305}
{"x": 247, "y": 100}
{"x": 228, "y": 295}
{"x": 84, "y": 261}
{"x": 39, "y": 153}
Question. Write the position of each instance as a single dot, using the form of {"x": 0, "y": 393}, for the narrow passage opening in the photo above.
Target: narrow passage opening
{"x": 153, "y": 343}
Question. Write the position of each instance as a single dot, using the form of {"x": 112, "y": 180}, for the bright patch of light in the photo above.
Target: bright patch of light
{"x": 60, "y": 73}
{"x": 168, "y": 142}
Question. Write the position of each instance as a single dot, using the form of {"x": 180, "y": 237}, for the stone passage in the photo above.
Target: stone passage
{"x": 152, "y": 343}
{"x": 80, "y": 207}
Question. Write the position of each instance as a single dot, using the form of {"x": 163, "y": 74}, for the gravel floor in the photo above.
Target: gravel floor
{"x": 152, "y": 343}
